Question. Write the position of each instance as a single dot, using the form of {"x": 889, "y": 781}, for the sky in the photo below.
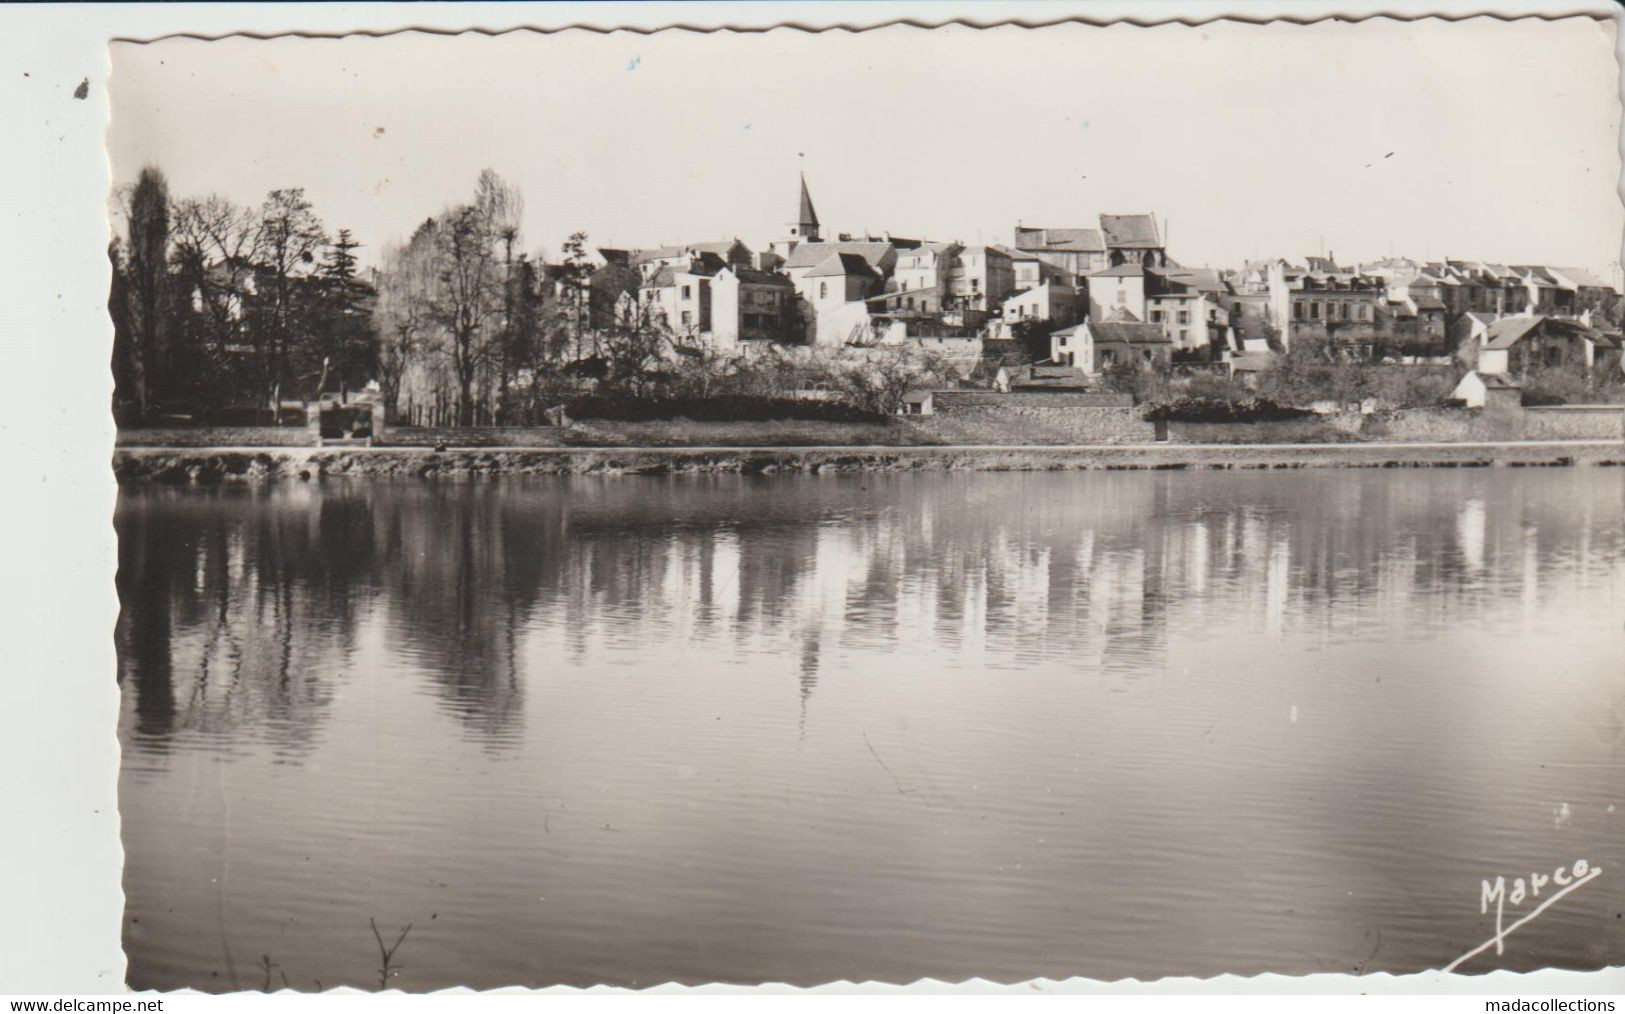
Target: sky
{"x": 1479, "y": 139}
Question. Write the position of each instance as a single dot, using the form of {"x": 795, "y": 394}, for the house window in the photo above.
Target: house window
{"x": 685, "y": 292}
{"x": 688, "y": 317}
{"x": 1359, "y": 312}
{"x": 1343, "y": 310}
{"x": 1297, "y": 311}
{"x": 975, "y": 284}
{"x": 1063, "y": 341}
{"x": 1184, "y": 316}
{"x": 1184, "y": 336}
{"x": 1314, "y": 311}
{"x": 1156, "y": 316}
{"x": 910, "y": 302}
{"x": 823, "y": 290}
{"x": 905, "y": 285}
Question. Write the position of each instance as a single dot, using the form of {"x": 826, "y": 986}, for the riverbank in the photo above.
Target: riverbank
{"x": 216, "y": 464}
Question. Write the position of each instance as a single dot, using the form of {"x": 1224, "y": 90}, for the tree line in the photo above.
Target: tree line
{"x": 224, "y": 309}
{"x": 230, "y": 313}
{"x": 215, "y": 304}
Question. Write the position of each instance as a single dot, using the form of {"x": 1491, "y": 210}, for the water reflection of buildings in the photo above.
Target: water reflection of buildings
{"x": 241, "y": 606}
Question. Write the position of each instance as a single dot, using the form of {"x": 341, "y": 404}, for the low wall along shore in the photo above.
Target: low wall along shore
{"x": 209, "y": 465}
{"x": 970, "y": 432}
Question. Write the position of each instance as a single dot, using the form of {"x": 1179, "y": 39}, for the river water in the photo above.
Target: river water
{"x": 869, "y": 727}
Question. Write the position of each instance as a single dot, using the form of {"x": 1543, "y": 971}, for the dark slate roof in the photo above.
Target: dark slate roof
{"x": 754, "y": 277}
{"x": 840, "y": 265}
{"x": 706, "y": 264}
{"x": 807, "y": 255}
{"x": 661, "y": 279}
{"x": 1121, "y": 315}
{"x": 805, "y": 213}
{"x": 1509, "y": 331}
{"x": 1201, "y": 279}
{"x": 720, "y": 247}
{"x": 655, "y": 253}
{"x": 1427, "y": 302}
{"x": 1537, "y": 274}
{"x": 1121, "y": 271}
{"x": 1583, "y": 278}
{"x": 1133, "y": 334}
{"x": 1061, "y": 240}
{"x": 1498, "y": 381}
{"x": 1130, "y": 230}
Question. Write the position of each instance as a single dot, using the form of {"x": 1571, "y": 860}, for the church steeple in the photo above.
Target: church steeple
{"x": 805, "y": 227}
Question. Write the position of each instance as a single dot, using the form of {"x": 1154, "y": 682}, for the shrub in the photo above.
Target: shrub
{"x": 723, "y": 408}
{"x": 1412, "y": 386}
{"x": 1223, "y": 410}
{"x": 1144, "y": 385}
{"x": 1573, "y": 386}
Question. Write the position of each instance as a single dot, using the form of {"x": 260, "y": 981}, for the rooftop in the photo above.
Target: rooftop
{"x": 1138, "y": 231}
{"x": 1121, "y": 271}
{"x": 807, "y": 255}
{"x": 1060, "y": 240}
{"x": 839, "y": 264}
{"x": 1129, "y": 333}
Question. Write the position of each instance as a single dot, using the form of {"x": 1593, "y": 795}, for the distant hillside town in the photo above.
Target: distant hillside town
{"x": 217, "y": 306}
{"x": 1111, "y": 292}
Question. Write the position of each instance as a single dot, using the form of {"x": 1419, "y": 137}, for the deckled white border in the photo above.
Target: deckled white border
{"x": 60, "y": 864}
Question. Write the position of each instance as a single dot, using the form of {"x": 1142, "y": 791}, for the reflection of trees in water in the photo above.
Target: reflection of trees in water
{"x": 240, "y": 604}
{"x": 462, "y": 570}
{"x": 237, "y": 610}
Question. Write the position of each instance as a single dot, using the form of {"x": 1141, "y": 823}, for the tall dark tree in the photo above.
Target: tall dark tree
{"x": 125, "y": 410}
{"x": 575, "y": 284}
{"x": 338, "y": 346}
{"x": 524, "y": 348}
{"x": 146, "y": 280}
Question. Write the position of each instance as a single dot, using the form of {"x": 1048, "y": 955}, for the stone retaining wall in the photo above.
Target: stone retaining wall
{"x": 1037, "y": 424}
{"x": 471, "y": 436}
{"x": 218, "y": 436}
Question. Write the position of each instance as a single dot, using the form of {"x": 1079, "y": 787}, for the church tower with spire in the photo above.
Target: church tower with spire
{"x": 804, "y": 229}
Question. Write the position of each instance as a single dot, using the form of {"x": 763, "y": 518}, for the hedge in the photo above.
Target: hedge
{"x": 1221, "y": 410}
{"x": 723, "y": 408}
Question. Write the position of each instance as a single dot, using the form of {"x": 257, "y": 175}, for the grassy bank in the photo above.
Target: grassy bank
{"x": 211, "y": 465}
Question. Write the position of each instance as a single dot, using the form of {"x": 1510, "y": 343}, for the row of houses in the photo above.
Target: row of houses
{"x": 1105, "y": 295}
{"x": 808, "y": 289}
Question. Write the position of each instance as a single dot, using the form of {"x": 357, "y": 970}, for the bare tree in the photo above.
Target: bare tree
{"x": 213, "y": 242}
{"x": 405, "y": 312}
{"x": 636, "y": 348}
{"x": 883, "y": 380}
{"x": 470, "y": 240}
{"x": 289, "y": 239}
